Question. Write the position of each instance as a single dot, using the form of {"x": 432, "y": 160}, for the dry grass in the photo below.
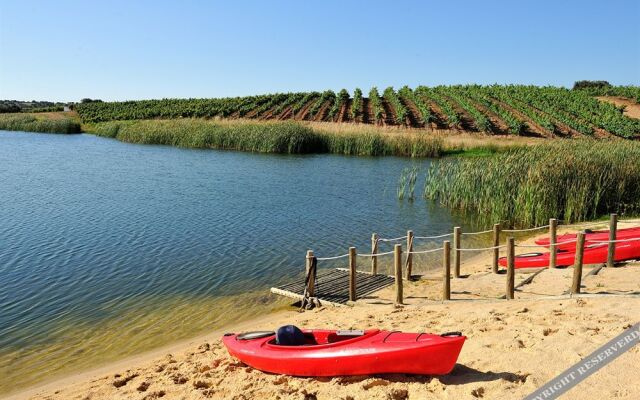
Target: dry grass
{"x": 452, "y": 139}
{"x": 265, "y": 137}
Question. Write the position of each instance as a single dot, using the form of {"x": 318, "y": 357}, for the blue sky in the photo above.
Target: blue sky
{"x": 118, "y": 50}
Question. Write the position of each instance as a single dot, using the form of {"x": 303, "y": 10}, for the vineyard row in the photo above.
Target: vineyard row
{"x": 513, "y": 109}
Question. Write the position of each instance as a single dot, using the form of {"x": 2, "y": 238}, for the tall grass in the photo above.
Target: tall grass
{"x": 285, "y": 137}
{"x": 574, "y": 181}
{"x": 407, "y": 183}
{"x": 30, "y": 123}
{"x": 266, "y": 137}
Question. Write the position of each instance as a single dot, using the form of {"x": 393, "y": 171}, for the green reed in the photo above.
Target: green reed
{"x": 572, "y": 180}
{"x": 265, "y": 137}
{"x": 30, "y": 123}
{"x": 407, "y": 183}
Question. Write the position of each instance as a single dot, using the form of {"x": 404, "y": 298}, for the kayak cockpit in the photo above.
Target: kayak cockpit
{"x": 325, "y": 338}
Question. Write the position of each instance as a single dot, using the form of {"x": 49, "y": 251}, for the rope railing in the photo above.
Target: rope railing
{"x": 582, "y": 225}
{"x": 391, "y": 239}
{"x": 614, "y": 241}
{"x": 332, "y": 258}
{"x": 483, "y": 248}
{"x": 425, "y": 251}
{"x": 476, "y": 233}
{"x": 375, "y": 255}
{"x": 451, "y": 255}
{"x": 629, "y": 221}
{"x": 547, "y": 245}
{"x": 526, "y": 230}
{"x": 433, "y": 237}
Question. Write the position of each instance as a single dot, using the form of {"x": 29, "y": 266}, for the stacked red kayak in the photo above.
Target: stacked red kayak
{"x": 568, "y": 240}
{"x": 595, "y": 252}
{"x": 335, "y": 353}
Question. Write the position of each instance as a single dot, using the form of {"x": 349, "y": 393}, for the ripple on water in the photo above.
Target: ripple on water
{"x": 109, "y": 249}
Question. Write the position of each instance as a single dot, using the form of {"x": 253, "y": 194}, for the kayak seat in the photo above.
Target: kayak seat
{"x": 290, "y": 335}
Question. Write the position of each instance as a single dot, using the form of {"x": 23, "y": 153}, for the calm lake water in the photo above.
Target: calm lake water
{"x": 108, "y": 249}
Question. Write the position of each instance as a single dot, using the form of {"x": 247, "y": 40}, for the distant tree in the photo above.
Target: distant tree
{"x": 590, "y": 84}
{"x": 9, "y": 108}
{"x": 88, "y": 100}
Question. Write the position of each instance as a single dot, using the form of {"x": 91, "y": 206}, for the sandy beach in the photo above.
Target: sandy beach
{"x": 513, "y": 346}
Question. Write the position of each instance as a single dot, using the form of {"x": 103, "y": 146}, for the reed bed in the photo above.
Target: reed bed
{"x": 572, "y": 180}
{"x": 265, "y": 137}
{"x": 407, "y": 183}
{"x": 30, "y": 123}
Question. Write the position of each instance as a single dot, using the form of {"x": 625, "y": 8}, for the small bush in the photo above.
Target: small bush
{"x": 590, "y": 84}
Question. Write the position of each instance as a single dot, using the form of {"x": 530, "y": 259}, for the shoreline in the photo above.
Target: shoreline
{"x": 346, "y": 138}
{"x": 143, "y": 357}
{"x": 611, "y": 297}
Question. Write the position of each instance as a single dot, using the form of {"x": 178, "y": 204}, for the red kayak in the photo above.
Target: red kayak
{"x": 589, "y": 238}
{"x": 594, "y": 254}
{"x": 335, "y": 353}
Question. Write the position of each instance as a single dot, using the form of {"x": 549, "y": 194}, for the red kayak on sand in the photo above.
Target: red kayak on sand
{"x": 594, "y": 254}
{"x": 589, "y": 237}
{"x": 335, "y": 353}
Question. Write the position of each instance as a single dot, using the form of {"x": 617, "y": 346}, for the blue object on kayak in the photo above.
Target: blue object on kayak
{"x": 290, "y": 335}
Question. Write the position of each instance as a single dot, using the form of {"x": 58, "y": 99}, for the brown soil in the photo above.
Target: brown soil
{"x": 302, "y": 114}
{"x": 251, "y": 114}
{"x": 497, "y": 124}
{"x": 564, "y": 129}
{"x": 388, "y": 113}
{"x": 597, "y": 131}
{"x": 466, "y": 121}
{"x": 268, "y": 114}
{"x": 532, "y": 128}
{"x": 285, "y": 114}
{"x": 413, "y": 114}
{"x": 364, "y": 112}
{"x": 343, "y": 114}
{"x": 322, "y": 112}
{"x": 632, "y": 109}
{"x": 440, "y": 120}
{"x": 367, "y": 114}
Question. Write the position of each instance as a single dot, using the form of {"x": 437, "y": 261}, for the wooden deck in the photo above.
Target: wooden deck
{"x": 332, "y": 286}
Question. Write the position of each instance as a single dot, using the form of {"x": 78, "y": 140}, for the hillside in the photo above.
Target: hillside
{"x": 500, "y": 110}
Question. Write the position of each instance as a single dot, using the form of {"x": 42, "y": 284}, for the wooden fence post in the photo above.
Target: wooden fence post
{"x": 352, "y": 274}
{"x": 510, "y": 267}
{"x": 409, "y": 255}
{"x": 374, "y": 250}
{"x": 577, "y": 266}
{"x": 446, "y": 270}
{"x": 397, "y": 265}
{"x": 496, "y": 250}
{"x": 613, "y": 228}
{"x": 311, "y": 284}
{"x": 553, "y": 238}
{"x": 456, "y": 252}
